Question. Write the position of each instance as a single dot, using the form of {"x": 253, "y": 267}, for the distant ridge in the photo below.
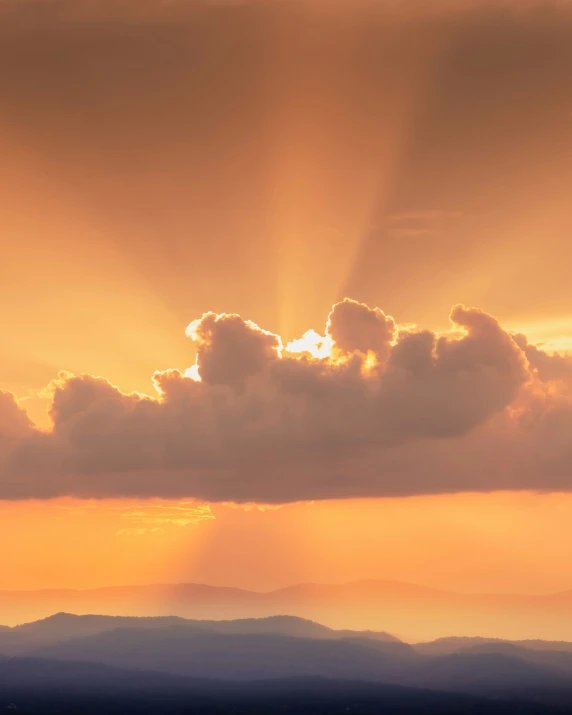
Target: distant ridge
{"x": 456, "y": 644}
{"x": 416, "y": 613}
{"x": 61, "y": 627}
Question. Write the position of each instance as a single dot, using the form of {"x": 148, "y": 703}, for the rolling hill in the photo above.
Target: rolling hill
{"x": 62, "y": 627}
{"x": 44, "y": 687}
{"x": 286, "y": 647}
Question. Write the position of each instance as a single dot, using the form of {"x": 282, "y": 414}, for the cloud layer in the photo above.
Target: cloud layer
{"x": 387, "y": 411}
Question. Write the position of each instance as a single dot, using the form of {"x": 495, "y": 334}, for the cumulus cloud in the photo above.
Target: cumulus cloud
{"x": 354, "y": 326}
{"x": 230, "y": 349}
{"x": 14, "y": 422}
{"x": 376, "y": 410}
{"x": 548, "y": 367}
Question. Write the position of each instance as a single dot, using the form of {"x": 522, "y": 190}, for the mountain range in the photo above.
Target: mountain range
{"x": 63, "y": 627}
{"x": 50, "y": 687}
{"x": 413, "y": 612}
{"x": 275, "y": 649}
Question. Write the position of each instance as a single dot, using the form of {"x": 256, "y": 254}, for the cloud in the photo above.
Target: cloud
{"x": 385, "y": 411}
{"x": 14, "y": 422}
{"x": 548, "y": 367}
{"x": 421, "y": 224}
{"x": 162, "y": 515}
{"x": 230, "y": 349}
{"x": 354, "y": 326}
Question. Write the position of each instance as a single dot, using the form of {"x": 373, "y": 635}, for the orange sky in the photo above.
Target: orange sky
{"x": 500, "y": 542}
{"x": 269, "y": 161}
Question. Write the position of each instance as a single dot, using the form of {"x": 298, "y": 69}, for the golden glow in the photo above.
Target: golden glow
{"x": 465, "y": 542}
{"x": 369, "y": 363}
{"x": 316, "y": 345}
{"x": 345, "y": 164}
{"x": 551, "y": 334}
{"x": 192, "y": 329}
{"x": 193, "y": 372}
{"x": 161, "y": 515}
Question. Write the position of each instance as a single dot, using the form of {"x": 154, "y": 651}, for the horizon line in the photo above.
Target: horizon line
{"x": 285, "y": 588}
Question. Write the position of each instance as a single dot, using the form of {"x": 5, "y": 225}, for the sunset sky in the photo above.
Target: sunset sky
{"x": 187, "y": 188}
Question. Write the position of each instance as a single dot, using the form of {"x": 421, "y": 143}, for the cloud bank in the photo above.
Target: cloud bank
{"x": 366, "y": 409}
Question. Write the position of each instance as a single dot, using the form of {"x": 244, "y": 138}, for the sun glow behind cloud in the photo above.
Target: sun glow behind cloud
{"x": 382, "y": 161}
{"x": 193, "y": 372}
{"x": 316, "y": 345}
{"x": 356, "y": 411}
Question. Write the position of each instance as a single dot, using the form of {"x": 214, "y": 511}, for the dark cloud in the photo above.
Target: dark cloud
{"x": 14, "y": 421}
{"x": 354, "y": 326}
{"x": 389, "y": 412}
{"x": 548, "y": 367}
{"x": 221, "y": 336}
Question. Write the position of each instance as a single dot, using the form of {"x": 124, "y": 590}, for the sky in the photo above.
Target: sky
{"x": 188, "y": 188}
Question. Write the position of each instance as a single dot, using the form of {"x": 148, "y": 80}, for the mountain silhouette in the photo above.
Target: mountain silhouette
{"x": 454, "y": 644}
{"x": 187, "y": 649}
{"x": 250, "y": 656}
{"x": 65, "y": 626}
{"x": 286, "y": 647}
{"x": 50, "y": 687}
{"x": 413, "y": 612}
